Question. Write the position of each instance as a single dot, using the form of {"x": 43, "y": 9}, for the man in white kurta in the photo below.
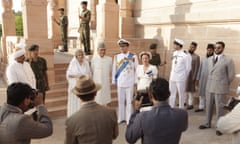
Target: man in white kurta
{"x": 124, "y": 76}
{"x": 101, "y": 68}
{"x": 181, "y": 66}
{"x": 18, "y": 70}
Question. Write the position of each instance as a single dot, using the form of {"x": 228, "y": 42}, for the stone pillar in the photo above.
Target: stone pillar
{"x": 127, "y": 24}
{"x": 36, "y": 31}
{"x": 8, "y": 26}
{"x": 93, "y": 14}
{"x": 54, "y": 28}
{"x": 108, "y": 24}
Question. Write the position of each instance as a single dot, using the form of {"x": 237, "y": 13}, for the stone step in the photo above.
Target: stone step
{"x": 113, "y": 103}
{"x": 58, "y": 111}
{"x": 60, "y": 71}
{"x": 59, "y": 85}
{"x": 61, "y": 66}
{"x": 56, "y": 101}
{"x": 60, "y": 78}
{"x": 56, "y": 93}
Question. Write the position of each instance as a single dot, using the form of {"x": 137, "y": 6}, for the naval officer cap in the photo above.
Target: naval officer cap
{"x": 33, "y": 47}
{"x": 178, "y": 42}
{"x": 123, "y": 42}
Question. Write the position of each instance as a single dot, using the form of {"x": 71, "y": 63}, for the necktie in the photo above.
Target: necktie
{"x": 215, "y": 61}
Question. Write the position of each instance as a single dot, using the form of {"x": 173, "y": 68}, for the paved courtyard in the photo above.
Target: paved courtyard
{"x": 192, "y": 136}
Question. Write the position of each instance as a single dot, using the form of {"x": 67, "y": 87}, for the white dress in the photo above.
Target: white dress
{"x": 77, "y": 70}
{"x": 101, "y": 68}
{"x": 145, "y": 78}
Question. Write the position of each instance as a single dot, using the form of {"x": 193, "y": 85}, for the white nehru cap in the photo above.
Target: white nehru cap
{"x": 19, "y": 50}
{"x": 179, "y": 41}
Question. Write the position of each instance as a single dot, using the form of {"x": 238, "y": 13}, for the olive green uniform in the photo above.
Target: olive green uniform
{"x": 39, "y": 68}
{"x": 156, "y": 60}
{"x": 84, "y": 31}
{"x": 64, "y": 26}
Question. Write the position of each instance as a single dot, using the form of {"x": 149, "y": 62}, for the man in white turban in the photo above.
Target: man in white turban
{"x": 19, "y": 70}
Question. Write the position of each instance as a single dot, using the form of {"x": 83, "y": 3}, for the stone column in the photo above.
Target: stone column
{"x": 55, "y": 30}
{"x": 108, "y": 24}
{"x": 127, "y": 25}
{"x": 36, "y": 31}
{"x": 93, "y": 14}
{"x": 8, "y": 26}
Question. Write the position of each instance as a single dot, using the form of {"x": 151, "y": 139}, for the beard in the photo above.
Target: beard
{"x": 208, "y": 55}
{"x": 191, "y": 52}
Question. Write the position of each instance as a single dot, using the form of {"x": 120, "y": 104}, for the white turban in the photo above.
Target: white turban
{"x": 19, "y": 50}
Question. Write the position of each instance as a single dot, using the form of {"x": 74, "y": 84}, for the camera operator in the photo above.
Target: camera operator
{"x": 230, "y": 123}
{"x": 162, "y": 124}
{"x": 17, "y": 127}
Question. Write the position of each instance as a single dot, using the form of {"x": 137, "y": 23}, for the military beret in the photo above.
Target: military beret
{"x": 84, "y": 2}
{"x": 61, "y": 9}
{"x": 122, "y": 42}
{"x": 33, "y": 47}
{"x": 153, "y": 46}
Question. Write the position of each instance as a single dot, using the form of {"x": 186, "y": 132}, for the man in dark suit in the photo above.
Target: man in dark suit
{"x": 93, "y": 123}
{"x": 221, "y": 73}
{"x": 15, "y": 126}
{"x": 162, "y": 124}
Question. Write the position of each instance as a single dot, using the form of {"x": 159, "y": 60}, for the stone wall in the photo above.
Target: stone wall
{"x": 203, "y": 21}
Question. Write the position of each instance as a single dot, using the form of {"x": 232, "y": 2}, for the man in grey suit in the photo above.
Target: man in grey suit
{"x": 93, "y": 123}
{"x": 15, "y": 126}
{"x": 221, "y": 73}
{"x": 162, "y": 124}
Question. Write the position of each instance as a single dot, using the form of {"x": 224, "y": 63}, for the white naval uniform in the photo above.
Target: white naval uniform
{"x": 181, "y": 66}
{"x": 125, "y": 84}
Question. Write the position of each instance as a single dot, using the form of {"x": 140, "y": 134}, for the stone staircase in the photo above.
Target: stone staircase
{"x": 56, "y": 98}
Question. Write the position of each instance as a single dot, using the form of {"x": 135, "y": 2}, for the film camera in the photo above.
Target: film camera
{"x": 32, "y": 96}
{"x": 146, "y": 101}
{"x": 231, "y": 103}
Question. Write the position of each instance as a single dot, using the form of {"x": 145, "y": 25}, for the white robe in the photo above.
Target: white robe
{"x": 101, "y": 68}
{"x": 18, "y": 72}
{"x": 77, "y": 70}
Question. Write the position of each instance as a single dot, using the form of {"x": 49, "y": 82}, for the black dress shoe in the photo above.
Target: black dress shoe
{"x": 198, "y": 110}
{"x": 218, "y": 133}
{"x": 204, "y": 127}
{"x": 189, "y": 107}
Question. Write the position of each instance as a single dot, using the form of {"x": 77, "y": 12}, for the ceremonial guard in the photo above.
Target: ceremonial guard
{"x": 124, "y": 76}
{"x": 84, "y": 28}
{"x": 181, "y": 66}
